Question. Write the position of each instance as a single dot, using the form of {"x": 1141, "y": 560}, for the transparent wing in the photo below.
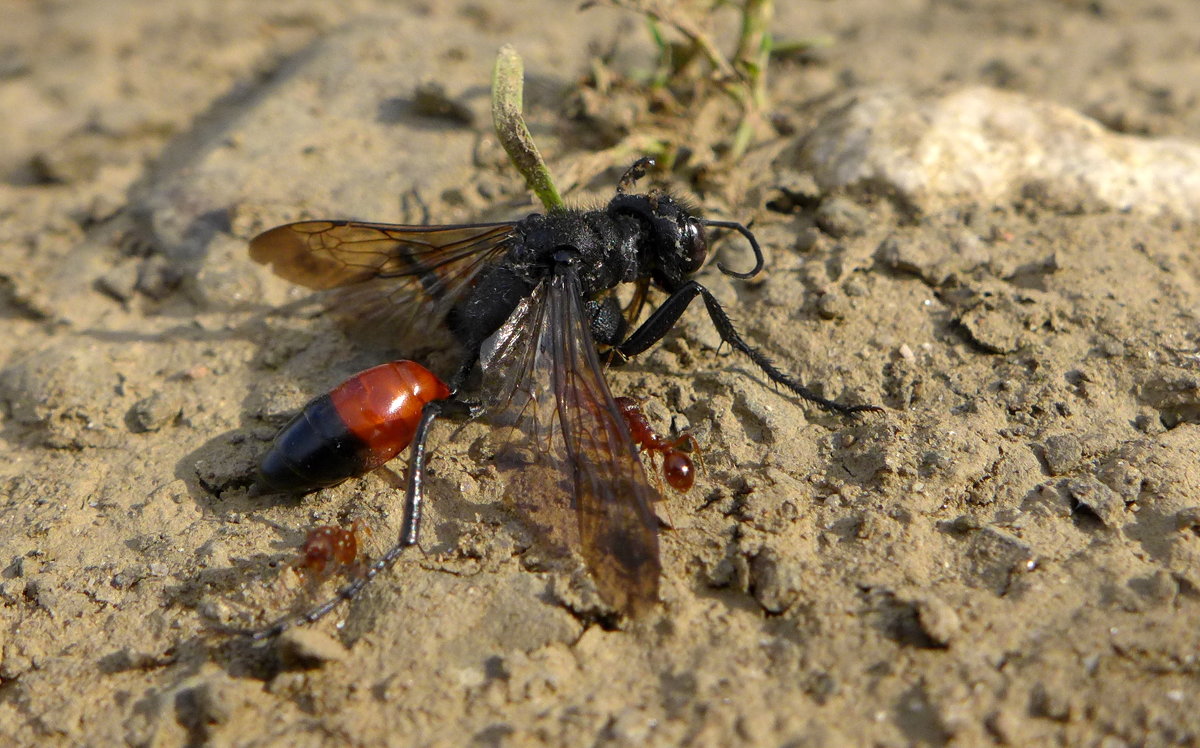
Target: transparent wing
{"x": 571, "y": 466}
{"x": 382, "y": 271}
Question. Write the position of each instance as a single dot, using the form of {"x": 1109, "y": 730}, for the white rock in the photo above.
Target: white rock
{"x": 979, "y": 145}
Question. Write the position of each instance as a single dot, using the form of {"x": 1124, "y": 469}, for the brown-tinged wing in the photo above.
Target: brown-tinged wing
{"x": 570, "y": 465}
{"x": 427, "y": 266}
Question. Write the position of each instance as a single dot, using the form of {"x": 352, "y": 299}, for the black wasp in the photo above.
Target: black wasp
{"x": 529, "y": 301}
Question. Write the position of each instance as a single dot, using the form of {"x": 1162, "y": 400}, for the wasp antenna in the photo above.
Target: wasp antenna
{"x": 634, "y": 173}
{"x": 758, "y": 255}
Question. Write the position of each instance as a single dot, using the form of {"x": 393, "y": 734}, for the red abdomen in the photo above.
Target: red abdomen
{"x": 382, "y": 405}
{"x": 356, "y": 427}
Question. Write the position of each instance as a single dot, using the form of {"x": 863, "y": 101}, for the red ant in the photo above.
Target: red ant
{"x": 328, "y": 544}
{"x": 677, "y": 466}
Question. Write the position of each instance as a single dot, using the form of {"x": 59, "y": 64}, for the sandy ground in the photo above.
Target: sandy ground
{"x": 1009, "y": 554}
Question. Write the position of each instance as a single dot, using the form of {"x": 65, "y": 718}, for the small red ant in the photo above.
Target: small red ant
{"x": 677, "y": 466}
{"x": 328, "y": 544}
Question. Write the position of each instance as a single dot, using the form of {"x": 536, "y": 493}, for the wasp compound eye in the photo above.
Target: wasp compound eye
{"x": 694, "y": 244}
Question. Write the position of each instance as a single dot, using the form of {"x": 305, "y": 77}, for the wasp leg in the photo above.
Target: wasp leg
{"x": 418, "y": 456}
{"x": 459, "y": 380}
{"x": 667, "y": 314}
{"x": 450, "y": 407}
{"x": 412, "y": 519}
{"x": 606, "y": 319}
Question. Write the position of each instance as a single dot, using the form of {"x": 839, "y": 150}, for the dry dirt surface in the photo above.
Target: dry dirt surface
{"x": 980, "y": 215}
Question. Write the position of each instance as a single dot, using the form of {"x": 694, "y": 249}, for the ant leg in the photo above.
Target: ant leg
{"x": 667, "y": 314}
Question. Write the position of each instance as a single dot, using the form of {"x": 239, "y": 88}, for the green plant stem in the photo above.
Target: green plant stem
{"x": 751, "y": 59}
{"x": 508, "y": 87}
{"x": 754, "y": 47}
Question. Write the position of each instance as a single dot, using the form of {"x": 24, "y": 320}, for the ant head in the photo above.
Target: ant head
{"x": 675, "y": 241}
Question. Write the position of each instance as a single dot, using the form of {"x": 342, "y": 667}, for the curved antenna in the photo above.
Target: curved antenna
{"x": 758, "y": 255}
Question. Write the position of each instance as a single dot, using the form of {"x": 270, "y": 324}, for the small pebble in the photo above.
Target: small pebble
{"x": 153, "y": 412}
{"x": 1188, "y": 519}
{"x": 1062, "y": 452}
{"x": 1098, "y": 499}
{"x": 839, "y": 217}
{"x": 938, "y": 620}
